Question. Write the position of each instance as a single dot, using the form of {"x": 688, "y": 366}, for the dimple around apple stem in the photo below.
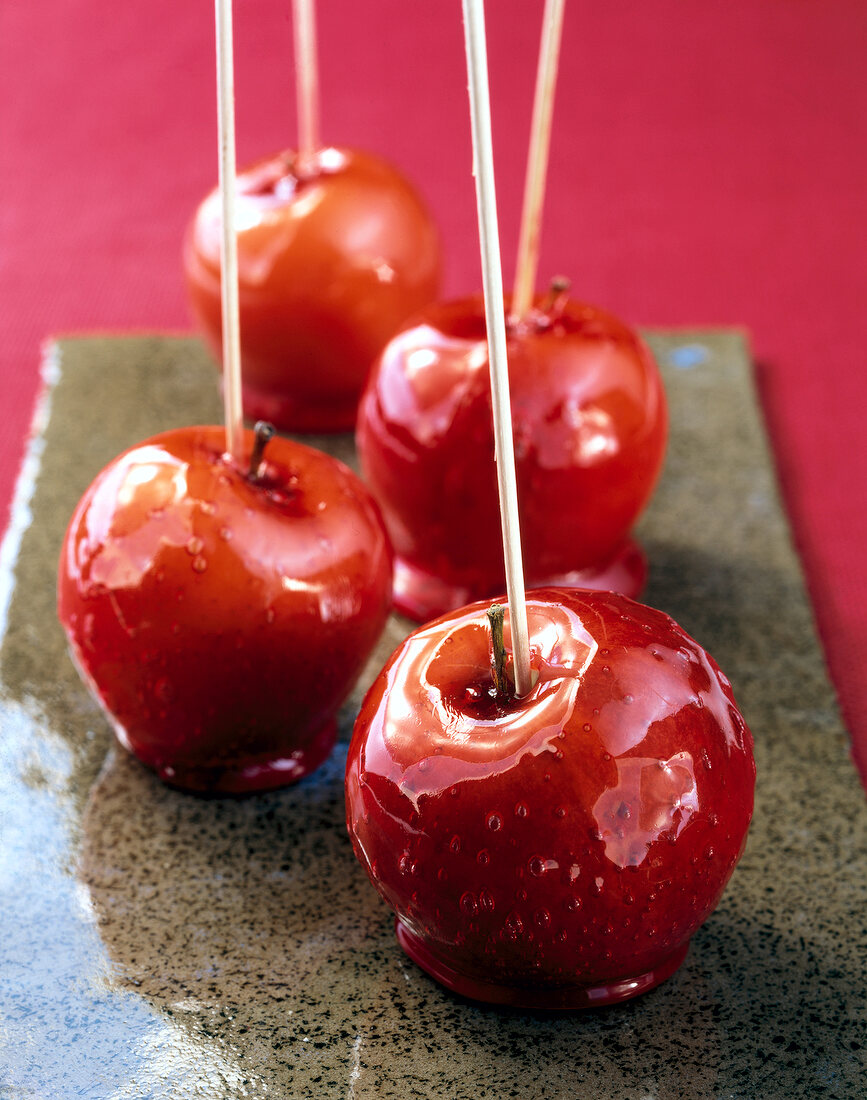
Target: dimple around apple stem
{"x": 495, "y": 320}
{"x": 537, "y": 159}
{"x": 232, "y": 402}
{"x": 263, "y": 432}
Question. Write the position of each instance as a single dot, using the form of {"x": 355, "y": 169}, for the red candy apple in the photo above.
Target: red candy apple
{"x": 559, "y": 850}
{"x": 590, "y": 426}
{"x": 332, "y": 261}
{"x": 221, "y": 616}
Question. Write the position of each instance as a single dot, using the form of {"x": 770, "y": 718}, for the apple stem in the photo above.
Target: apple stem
{"x": 306, "y": 82}
{"x": 496, "y": 617}
{"x": 232, "y": 404}
{"x": 263, "y": 432}
{"x": 537, "y": 159}
{"x": 495, "y": 319}
{"x": 557, "y": 297}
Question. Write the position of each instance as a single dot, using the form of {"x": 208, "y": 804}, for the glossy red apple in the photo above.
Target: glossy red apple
{"x": 560, "y": 850}
{"x": 332, "y": 261}
{"x": 590, "y": 426}
{"x": 220, "y": 617}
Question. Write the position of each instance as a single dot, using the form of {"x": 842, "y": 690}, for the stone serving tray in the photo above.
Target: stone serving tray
{"x": 155, "y": 944}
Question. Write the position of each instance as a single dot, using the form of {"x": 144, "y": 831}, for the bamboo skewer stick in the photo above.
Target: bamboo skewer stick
{"x": 306, "y": 80}
{"x": 232, "y": 405}
{"x": 537, "y": 159}
{"x": 492, "y": 278}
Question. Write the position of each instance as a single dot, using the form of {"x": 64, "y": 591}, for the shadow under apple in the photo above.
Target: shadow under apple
{"x": 249, "y": 924}
{"x": 222, "y": 900}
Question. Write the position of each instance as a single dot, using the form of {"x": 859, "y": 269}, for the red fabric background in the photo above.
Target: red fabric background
{"x": 709, "y": 166}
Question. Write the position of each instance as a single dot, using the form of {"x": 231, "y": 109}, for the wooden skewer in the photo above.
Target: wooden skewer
{"x": 306, "y": 80}
{"x": 537, "y": 159}
{"x": 232, "y": 406}
{"x": 492, "y": 278}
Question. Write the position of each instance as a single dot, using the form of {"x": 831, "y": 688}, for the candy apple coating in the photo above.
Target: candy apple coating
{"x": 590, "y": 425}
{"x": 333, "y": 257}
{"x": 556, "y": 851}
{"x": 219, "y": 617}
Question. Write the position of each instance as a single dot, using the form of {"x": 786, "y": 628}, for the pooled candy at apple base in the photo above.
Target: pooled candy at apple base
{"x": 220, "y": 616}
{"x": 335, "y": 253}
{"x": 556, "y": 851}
{"x": 590, "y": 426}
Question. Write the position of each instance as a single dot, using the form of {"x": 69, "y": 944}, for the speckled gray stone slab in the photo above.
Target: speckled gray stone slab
{"x": 158, "y": 945}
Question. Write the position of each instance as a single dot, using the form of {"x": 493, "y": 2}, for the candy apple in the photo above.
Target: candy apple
{"x": 220, "y": 616}
{"x": 555, "y": 851}
{"x": 590, "y": 425}
{"x": 333, "y": 258}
